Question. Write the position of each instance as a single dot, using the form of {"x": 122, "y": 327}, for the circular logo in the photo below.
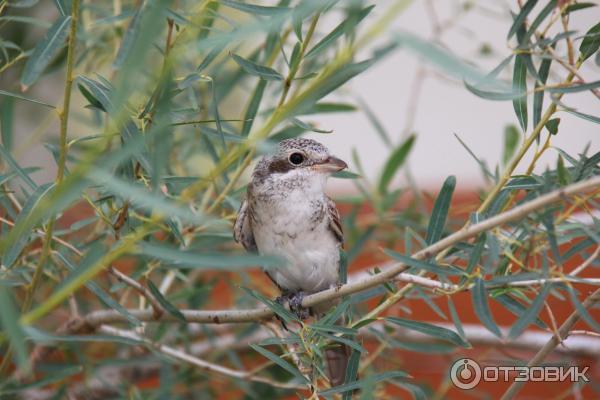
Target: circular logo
{"x": 465, "y": 373}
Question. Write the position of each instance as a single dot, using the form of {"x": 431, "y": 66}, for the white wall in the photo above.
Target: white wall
{"x": 446, "y": 107}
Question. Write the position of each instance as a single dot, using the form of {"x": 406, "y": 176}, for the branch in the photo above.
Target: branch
{"x": 550, "y": 346}
{"x": 195, "y": 361}
{"x": 252, "y": 315}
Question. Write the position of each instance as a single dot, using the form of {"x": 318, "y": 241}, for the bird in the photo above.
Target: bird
{"x": 286, "y": 213}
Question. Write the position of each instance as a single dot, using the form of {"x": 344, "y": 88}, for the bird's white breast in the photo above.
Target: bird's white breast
{"x": 296, "y": 227}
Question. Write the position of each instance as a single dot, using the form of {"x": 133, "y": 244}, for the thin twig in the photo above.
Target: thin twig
{"x": 195, "y": 361}
{"x": 551, "y": 345}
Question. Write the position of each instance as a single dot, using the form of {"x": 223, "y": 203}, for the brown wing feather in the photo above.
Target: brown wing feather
{"x": 335, "y": 222}
{"x": 242, "y": 230}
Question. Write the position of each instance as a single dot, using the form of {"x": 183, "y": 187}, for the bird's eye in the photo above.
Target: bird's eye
{"x": 296, "y": 158}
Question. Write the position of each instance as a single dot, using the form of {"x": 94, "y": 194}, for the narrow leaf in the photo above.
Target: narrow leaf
{"x": 511, "y": 140}
{"x": 279, "y": 361}
{"x": 520, "y": 86}
{"x": 45, "y": 51}
{"x": 394, "y": 162}
{"x": 538, "y": 97}
{"x": 482, "y": 308}
{"x": 21, "y": 97}
{"x": 520, "y": 18}
{"x": 170, "y": 308}
{"x": 590, "y": 43}
{"x": 530, "y": 314}
{"x": 345, "y": 26}
{"x": 365, "y": 382}
{"x": 9, "y": 320}
{"x": 440, "y": 211}
{"x": 430, "y": 330}
{"x": 253, "y": 68}
{"x": 427, "y": 266}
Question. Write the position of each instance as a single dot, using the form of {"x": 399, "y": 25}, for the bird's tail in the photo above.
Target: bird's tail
{"x": 336, "y": 358}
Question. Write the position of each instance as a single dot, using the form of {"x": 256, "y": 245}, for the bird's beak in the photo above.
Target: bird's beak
{"x": 331, "y": 164}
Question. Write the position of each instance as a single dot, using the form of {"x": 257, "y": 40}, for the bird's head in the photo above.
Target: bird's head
{"x": 299, "y": 159}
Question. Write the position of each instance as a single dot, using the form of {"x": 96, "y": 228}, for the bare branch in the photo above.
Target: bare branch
{"x": 552, "y": 343}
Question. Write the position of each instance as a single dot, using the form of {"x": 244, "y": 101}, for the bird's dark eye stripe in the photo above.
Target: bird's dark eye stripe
{"x": 296, "y": 158}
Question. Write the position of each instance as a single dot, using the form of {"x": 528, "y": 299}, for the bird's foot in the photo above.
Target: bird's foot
{"x": 296, "y": 305}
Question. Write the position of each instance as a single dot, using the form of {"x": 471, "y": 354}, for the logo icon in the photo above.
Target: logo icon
{"x": 465, "y": 373}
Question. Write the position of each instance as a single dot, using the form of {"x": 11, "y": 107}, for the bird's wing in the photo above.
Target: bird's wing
{"x": 242, "y": 230}
{"x": 335, "y": 223}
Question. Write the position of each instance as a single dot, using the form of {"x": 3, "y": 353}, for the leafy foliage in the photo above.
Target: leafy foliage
{"x": 152, "y": 157}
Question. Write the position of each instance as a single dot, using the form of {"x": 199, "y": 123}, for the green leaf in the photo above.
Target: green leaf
{"x": 530, "y": 314}
{"x": 13, "y": 251}
{"x": 590, "y": 43}
{"x": 255, "y": 9}
{"x": 45, "y": 51}
{"x": 140, "y": 196}
{"x": 440, "y": 211}
{"x": 40, "y": 336}
{"x": 101, "y": 294}
{"x": 456, "y": 319}
{"x": 377, "y": 125}
{"x": 253, "y": 106}
{"x": 279, "y": 361}
{"x": 587, "y": 117}
{"x": 325, "y": 107}
{"x": 520, "y": 86}
{"x": 345, "y": 26}
{"x": 440, "y": 57}
{"x": 552, "y": 125}
{"x": 63, "y": 6}
{"x": 21, "y": 97}
{"x": 511, "y": 140}
{"x": 7, "y": 108}
{"x": 279, "y": 310}
{"x": 578, "y": 6}
{"x": 493, "y": 95}
{"x": 365, "y": 382}
{"x": 427, "y": 266}
{"x": 520, "y": 18}
{"x": 516, "y": 308}
{"x": 582, "y": 311}
{"x": 575, "y": 88}
{"x": 308, "y": 127}
{"x": 430, "y": 330}
{"x": 190, "y": 259}
{"x": 394, "y": 162}
{"x": 564, "y": 177}
{"x": 9, "y": 320}
{"x": 538, "y": 96}
{"x": 94, "y": 102}
{"x": 130, "y": 37}
{"x": 170, "y": 308}
{"x": 253, "y": 68}
{"x": 340, "y": 339}
{"x": 482, "y": 308}
{"x": 538, "y": 21}
{"x": 351, "y": 372}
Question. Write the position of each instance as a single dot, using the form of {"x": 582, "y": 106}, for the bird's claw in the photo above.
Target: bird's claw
{"x": 295, "y": 302}
{"x": 296, "y": 305}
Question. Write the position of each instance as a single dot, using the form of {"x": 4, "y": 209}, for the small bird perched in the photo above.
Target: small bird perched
{"x": 286, "y": 213}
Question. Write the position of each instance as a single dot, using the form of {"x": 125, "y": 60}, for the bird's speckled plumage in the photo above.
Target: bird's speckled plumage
{"x": 287, "y": 213}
